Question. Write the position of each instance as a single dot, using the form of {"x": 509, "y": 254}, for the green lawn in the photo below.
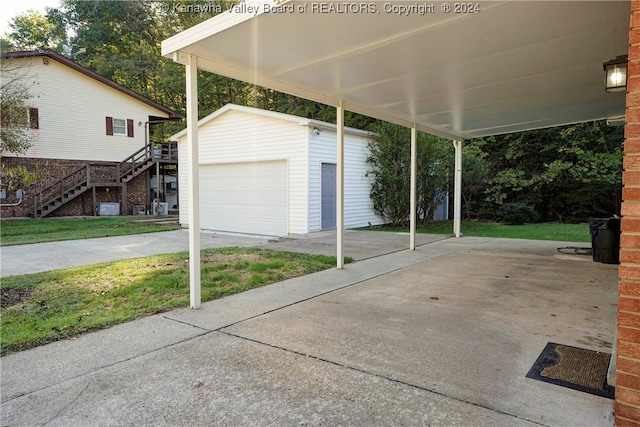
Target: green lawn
{"x": 24, "y": 231}
{"x": 543, "y": 231}
{"x": 45, "y": 307}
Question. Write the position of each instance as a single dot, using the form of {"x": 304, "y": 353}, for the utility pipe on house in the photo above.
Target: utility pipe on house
{"x": 19, "y": 195}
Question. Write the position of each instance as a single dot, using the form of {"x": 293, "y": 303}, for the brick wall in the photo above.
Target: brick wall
{"x": 138, "y": 192}
{"x": 627, "y": 406}
{"x": 51, "y": 170}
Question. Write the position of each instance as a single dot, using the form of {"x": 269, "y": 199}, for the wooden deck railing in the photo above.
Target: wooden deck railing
{"x": 167, "y": 152}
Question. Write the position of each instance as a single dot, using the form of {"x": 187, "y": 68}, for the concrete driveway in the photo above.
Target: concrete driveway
{"x": 39, "y": 257}
{"x": 443, "y": 335}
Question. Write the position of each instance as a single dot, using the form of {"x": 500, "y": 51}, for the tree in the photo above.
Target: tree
{"x": 475, "y": 173}
{"x": 15, "y": 134}
{"x": 390, "y": 159}
{"x": 434, "y": 161}
{"x": 6, "y": 45}
{"x": 32, "y": 30}
{"x": 566, "y": 173}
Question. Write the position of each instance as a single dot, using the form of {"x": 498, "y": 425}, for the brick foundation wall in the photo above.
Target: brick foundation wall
{"x": 627, "y": 405}
{"x": 52, "y": 170}
{"x": 138, "y": 192}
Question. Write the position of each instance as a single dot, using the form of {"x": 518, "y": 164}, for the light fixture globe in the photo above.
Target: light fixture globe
{"x": 615, "y": 74}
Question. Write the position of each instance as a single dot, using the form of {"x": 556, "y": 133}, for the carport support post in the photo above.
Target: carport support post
{"x": 340, "y": 186}
{"x": 457, "y": 200}
{"x": 194, "y": 185}
{"x": 414, "y": 180}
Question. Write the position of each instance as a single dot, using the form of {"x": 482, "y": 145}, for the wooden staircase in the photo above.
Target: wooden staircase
{"x": 94, "y": 175}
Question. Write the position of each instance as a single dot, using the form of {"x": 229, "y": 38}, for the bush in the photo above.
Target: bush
{"x": 516, "y": 213}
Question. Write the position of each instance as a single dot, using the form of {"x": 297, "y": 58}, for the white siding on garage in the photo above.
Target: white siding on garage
{"x": 236, "y": 136}
{"x": 240, "y": 137}
{"x": 358, "y": 208}
{"x": 78, "y": 131}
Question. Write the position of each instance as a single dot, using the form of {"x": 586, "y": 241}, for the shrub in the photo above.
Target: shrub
{"x": 516, "y": 213}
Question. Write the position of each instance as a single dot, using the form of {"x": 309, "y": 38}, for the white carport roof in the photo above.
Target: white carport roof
{"x": 509, "y": 66}
{"x": 512, "y": 66}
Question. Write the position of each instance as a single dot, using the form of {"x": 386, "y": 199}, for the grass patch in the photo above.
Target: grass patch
{"x": 46, "y": 307}
{"x": 25, "y": 231}
{"x": 543, "y": 231}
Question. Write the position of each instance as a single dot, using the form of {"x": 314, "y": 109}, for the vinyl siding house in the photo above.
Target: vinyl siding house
{"x": 80, "y": 119}
{"x": 273, "y": 174}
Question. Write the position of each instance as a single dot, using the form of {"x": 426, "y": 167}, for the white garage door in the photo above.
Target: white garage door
{"x": 245, "y": 197}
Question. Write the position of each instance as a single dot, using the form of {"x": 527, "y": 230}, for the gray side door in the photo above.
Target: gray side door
{"x": 328, "y": 191}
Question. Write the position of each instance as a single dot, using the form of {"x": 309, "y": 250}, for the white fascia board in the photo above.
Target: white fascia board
{"x": 494, "y": 131}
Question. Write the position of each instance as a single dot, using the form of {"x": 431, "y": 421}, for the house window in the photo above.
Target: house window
{"x": 34, "y": 122}
{"x": 119, "y": 127}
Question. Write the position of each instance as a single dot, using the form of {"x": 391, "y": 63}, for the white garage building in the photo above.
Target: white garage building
{"x": 274, "y": 174}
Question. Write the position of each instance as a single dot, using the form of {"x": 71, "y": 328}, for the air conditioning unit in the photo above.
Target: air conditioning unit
{"x": 139, "y": 209}
{"x": 161, "y": 208}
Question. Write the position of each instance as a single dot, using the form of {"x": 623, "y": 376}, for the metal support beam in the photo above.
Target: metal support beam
{"x": 194, "y": 184}
{"x": 340, "y": 186}
{"x": 457, "y": 197}
{"x": 157, "y": 180}
{"x": 414, "y": 181}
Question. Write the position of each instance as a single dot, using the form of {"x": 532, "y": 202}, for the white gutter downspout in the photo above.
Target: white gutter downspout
{"x": 194, "y": 184}
{"x": 414, "y": 180}
{"x": 457, "y": 201}
{"x": 340, "y": 186}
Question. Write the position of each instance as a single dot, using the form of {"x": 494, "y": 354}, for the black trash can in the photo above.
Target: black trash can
{"x": 605, "y": 239}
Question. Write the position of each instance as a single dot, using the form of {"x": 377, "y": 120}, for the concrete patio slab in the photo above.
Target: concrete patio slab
{"x": 218, "y": 380}
{"x": 45, "y": 366}
{"x": 468, "y": 325}
{"x": 443, "y": 335}
{"x": 235, "y": 308}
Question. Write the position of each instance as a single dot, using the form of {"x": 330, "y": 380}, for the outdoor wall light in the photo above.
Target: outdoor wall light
{"x": 615, "y": 74}
{"x": 316, "y": 131}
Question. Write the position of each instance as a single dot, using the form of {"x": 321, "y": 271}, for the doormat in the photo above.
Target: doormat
{"x": 575, "y": 368}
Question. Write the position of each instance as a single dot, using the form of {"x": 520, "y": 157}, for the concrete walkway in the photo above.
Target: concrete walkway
{"x": 443, "y": 335}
